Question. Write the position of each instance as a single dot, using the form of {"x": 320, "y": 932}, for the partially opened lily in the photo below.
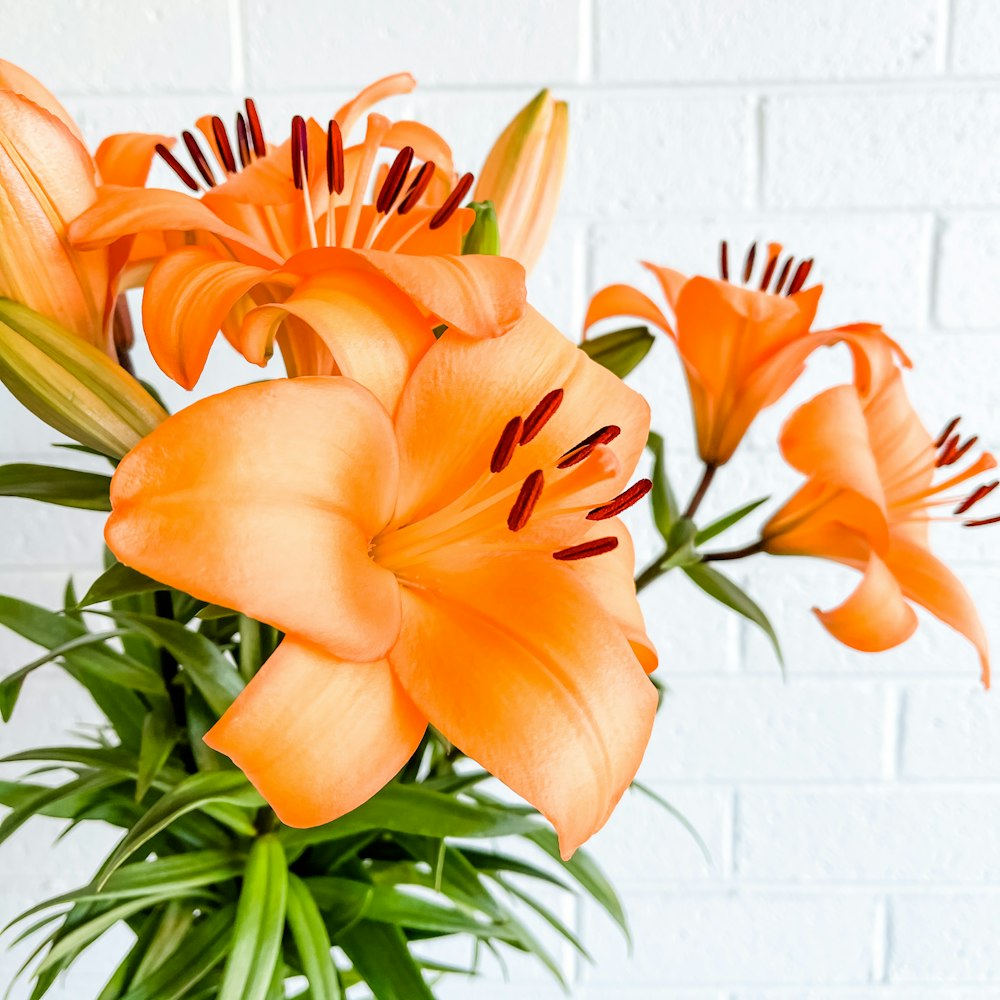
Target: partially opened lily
{"x": 742, "y": 347}
{"x": 461, "y": 564}
{"x": 47, "y": 178}
{"x": 873, "y": 487}
{"x": 523, "y": 174}
{"x": 264, "y": 209}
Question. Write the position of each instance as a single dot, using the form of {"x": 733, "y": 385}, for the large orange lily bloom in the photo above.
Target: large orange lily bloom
{"x": 867, "y": 503}
{"x": 742, "y": 347}
{"x": 460, "y": 564}
{"x": 47, "y": 178}
{"x": 246, "y": 240}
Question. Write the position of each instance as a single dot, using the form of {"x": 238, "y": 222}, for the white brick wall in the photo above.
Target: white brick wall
{"x": 853, "y": 812}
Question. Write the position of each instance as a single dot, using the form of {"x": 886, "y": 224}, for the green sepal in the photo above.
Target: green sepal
{"x": 50, "y": 484}
{"x": 620, "y": 351}
{"x": 483, "y": 235}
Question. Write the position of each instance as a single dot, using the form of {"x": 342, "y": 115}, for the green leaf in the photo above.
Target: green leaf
{"x": 493, "y": 863}
{"x": 202, "y": 950}
{"x": 390, "y": 905}
{"x": 172, "y": 926}
{"x": 117, "y": 581}
{"x": 412, "y": 809}
{"x": 127, "y": 968}
{"x": 312, "y": 942}
{"x": 194, "y": 792}
{"x": 680, "y": 817}
{"x": 727, "y": 521}
{"x": 214, "y": 676}
{"x": 250, "y": 647}
{"x": 260, "y": 921}
{"x": 548, "y": 916}
{"x": 665, "y": 507}
{"x": 342, "y": 901}
{"x": 66, "y": 487}
{"x": 726, "y": 592}
{"x": 621, "y": 350}
{"x": 484, "y": 234}
{"x": 583, "y": 869}
{"x": 15, "y": 794}
{"x": 159, "y": 737}
{"x": 380, "y": 955}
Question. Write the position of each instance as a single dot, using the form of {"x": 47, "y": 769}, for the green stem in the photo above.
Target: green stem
{"x": 250, "y": 647}
{"x": 700, "y": 490}
{"x": 727, "y": 554}
{"x": 650, "y": 573}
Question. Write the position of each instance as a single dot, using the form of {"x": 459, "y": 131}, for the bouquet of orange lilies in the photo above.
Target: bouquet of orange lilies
{"x": 344, "y": 609}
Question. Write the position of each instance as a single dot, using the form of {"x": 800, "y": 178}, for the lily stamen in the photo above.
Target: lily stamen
{"x": 982, "y": 522}
{"x": 451, "y": 204}
{"x": 800, "y": 276}
{"x": 952, "y": 451}
{"x": 417, "y": 188}
{"x": 394, "y": 180}
{"x": 300, "y": 153}
{"x": 724, "y": 260}
{"x": 200, "y": 159}
{"x": 243, "y": 140}
{"x": 975, "y": 496}
{"x": 504, "y": 450}
{"x": 579, "y": 452}
{"x": 176, "y": 166}
{"x": 783, "y": 276}
{"x": 223, "y": 145}
{"x": 622, "y": 502}
{"x": 748, "y": 263}
{"x": 541, "y": 415}
{"x": 772, "y": 263}
{"x": 256, "y": 132}
{"x": 947, "y": 432}
{"x": 586, "y": 550}
{"x": 527, "y": 498}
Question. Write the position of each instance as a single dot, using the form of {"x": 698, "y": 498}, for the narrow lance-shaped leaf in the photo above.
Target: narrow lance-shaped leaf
{"x": 621, "y": 351}
{"x": 260, "y": 922}
{"x": 312, "y": 942}
{"x": 665, "y": 507}
{"x": 725, "y": 522}
{"x": 726, "y": 592}
{"x": 49, "y": 484}
{"x": 118, "y": 581}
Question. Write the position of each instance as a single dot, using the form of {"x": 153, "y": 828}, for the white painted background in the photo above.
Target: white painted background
{"x": 854, "y": 812}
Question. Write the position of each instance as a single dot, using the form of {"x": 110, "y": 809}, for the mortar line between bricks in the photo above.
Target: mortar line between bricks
{"x": 587, "y": 67}
{"x": 755, "y": 152}
{"x": 892, "y": 742}
{"x": 880, "y": 962}
{"x": 237, "y": 48}
{"x": 932, "y": 271}
{"x": 943, "y": 37}
{"x": 768, "y": 889}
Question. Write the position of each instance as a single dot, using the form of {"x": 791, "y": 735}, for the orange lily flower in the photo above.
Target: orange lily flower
{"x": 867, "y": 503}
{"x": 523, "y": 174}
{"x": 47, "y": 177}
{"x": 460, "y": 564}
{"x": 742, "y": 347}
{"x": 246, "y": 241}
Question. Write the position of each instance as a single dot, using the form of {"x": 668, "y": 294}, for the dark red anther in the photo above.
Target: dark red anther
{"x": 300, "y": 153}
{"x": 982, "y": 522}
{"x": 975, "y": 496}
{"x": 256, "y": 132}
{"x": 944, "y": 458}
{"x": 579, "y": 452}
{"x": 724, "y": 260}
{"x": 243, "y": 140}
{"x": 541, "y": 415}
{"x": 417, "y": 188}
{"x": 450, "y": 205}
{"x": 768, "y": 272}
{"x": 200, "y": 160}
{"x": 586, "y": 549}
{"x": 222, "y": 144}
{"x": 394, "y": 180}
{"x": 621, "y": 502}
{"x": 783, "y": 275}
{"x": 504, "y": 450}
{"x": 800, "y": 276}
{"x": 748, "y": 263}
{"x": 176, "y": 167}
{"x": 946, "y": 433}
{"x": 334, "y": 158}
{"x": 957, "y": 452}
{"x": 531, "y": 490}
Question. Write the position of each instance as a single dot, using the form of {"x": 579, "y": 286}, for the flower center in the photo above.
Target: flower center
{"x": 799, "y": 276}
{"x": 492, "y": 503}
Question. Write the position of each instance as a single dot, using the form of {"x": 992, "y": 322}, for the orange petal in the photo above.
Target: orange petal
{"x": 446, "y": 438}
{"x": 478, "y": 295}
{"x": 188, "y": 295}
{"x": 317, "y": 735}
{"x": 427, "y": 144}
{"x": 927, "y": 581}
{"x": 126, "y": 158}
{"x": 516, "y": 663}
{"x": 671, "y": 282}
{"x": 125, "y": 211}
{"x": 375, "y": 334}
{"x": 387, "y": 86}
{"x": 624, "y": 300}
{"x": 876, "y": 616}
{"x": 265, "y": 499}
{"x": 46, "y": 180}
{"x": 21, "y": 82}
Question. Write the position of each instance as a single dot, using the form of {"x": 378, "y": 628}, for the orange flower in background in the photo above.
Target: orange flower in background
{"x": 867, "y": 503}
{"x": 523, "y": 174}
{"x": 742, "y": 347}
{"x": 460, "y": 564}
{"x": 246, "y": 241}
{"x": 47, "y": 178}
